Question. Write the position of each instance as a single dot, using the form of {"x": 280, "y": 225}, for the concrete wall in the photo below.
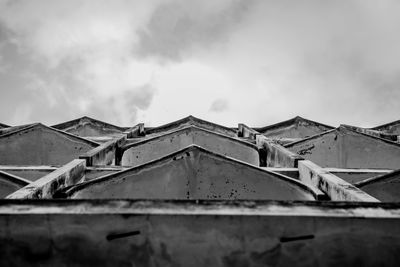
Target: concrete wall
{"x": 343, "y": 148}
{"x": 194, "y": 174}
{"x": 40, "y": 145}
{"x": 145, "y": 151}
{"x": 205, "y": 234}
{"x": 385, "y": 188}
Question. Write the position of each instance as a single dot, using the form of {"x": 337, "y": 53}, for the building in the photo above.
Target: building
{"x": 195, "y": 193}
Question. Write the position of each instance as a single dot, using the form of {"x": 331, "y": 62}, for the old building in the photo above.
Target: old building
{"x": 195, "y": 193}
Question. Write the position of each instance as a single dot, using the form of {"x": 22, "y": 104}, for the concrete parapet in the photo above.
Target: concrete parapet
{"x": 246, "y": 131}
{"x": 136, "y": 131}
{"x": 103, "y": 154}
{"x": 191, "y": 121}
{"x": 376, "y": 133}
{"x": 275, "y": 155}
{"x": 46, "y": 186}
{"x": 336, "y": 188}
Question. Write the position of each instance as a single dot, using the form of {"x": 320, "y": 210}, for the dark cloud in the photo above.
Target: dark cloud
{"x": 219, "y": 105}
{"x": 175, "y": 28}
{"x": 138, "y": 98}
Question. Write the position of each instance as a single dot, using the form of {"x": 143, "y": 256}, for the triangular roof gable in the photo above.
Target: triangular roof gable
{"x": 54, "y": 147}
{"x": 18, "y": 129}
{"x": 195, "y": 173}
{"x": 191, "y": 120}
{"x": 389, "y": 126}
{"x": 220, "y": 143}
{"x": 341, "y": 129}
{"x": 73, "y": 126}
{"x": 376, "y": 133}
{"x": 3, "y": 125}
{"x": 324, "y": 150}
{"x": 4, "y": 131}
{"x": 293, "y": 121}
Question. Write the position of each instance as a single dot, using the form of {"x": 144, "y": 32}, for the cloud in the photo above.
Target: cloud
{"x": 219, "y": 105}
{"x": 76, "y": 56}
{"x": 156, "y": 61}
{"x": 177, "y": 28}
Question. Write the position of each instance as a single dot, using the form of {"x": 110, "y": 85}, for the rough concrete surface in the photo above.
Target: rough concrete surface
{"x": 336, "y": 188}
{"x": 344, "y": 148}
{"x": 48, "y": 185}
{"x": 121, "y": 233}
{"x": 195, "y": 173}
{"x": 144, "y": 151}
{"x": 41, "y": 145}
{"x": 275, "y": 155}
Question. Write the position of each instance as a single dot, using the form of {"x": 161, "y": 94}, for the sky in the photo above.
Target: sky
{"x": 256, "y": 62}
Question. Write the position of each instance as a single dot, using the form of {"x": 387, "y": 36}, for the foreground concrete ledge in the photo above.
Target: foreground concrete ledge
{"x": 46, "y": 186}
{"x": 275, "y": 155}
{"x": 201, "y": 207}
{"x": 333, "y": 186}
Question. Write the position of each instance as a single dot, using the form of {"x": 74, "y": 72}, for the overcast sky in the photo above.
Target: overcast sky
{"x": 257, "y": 62}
